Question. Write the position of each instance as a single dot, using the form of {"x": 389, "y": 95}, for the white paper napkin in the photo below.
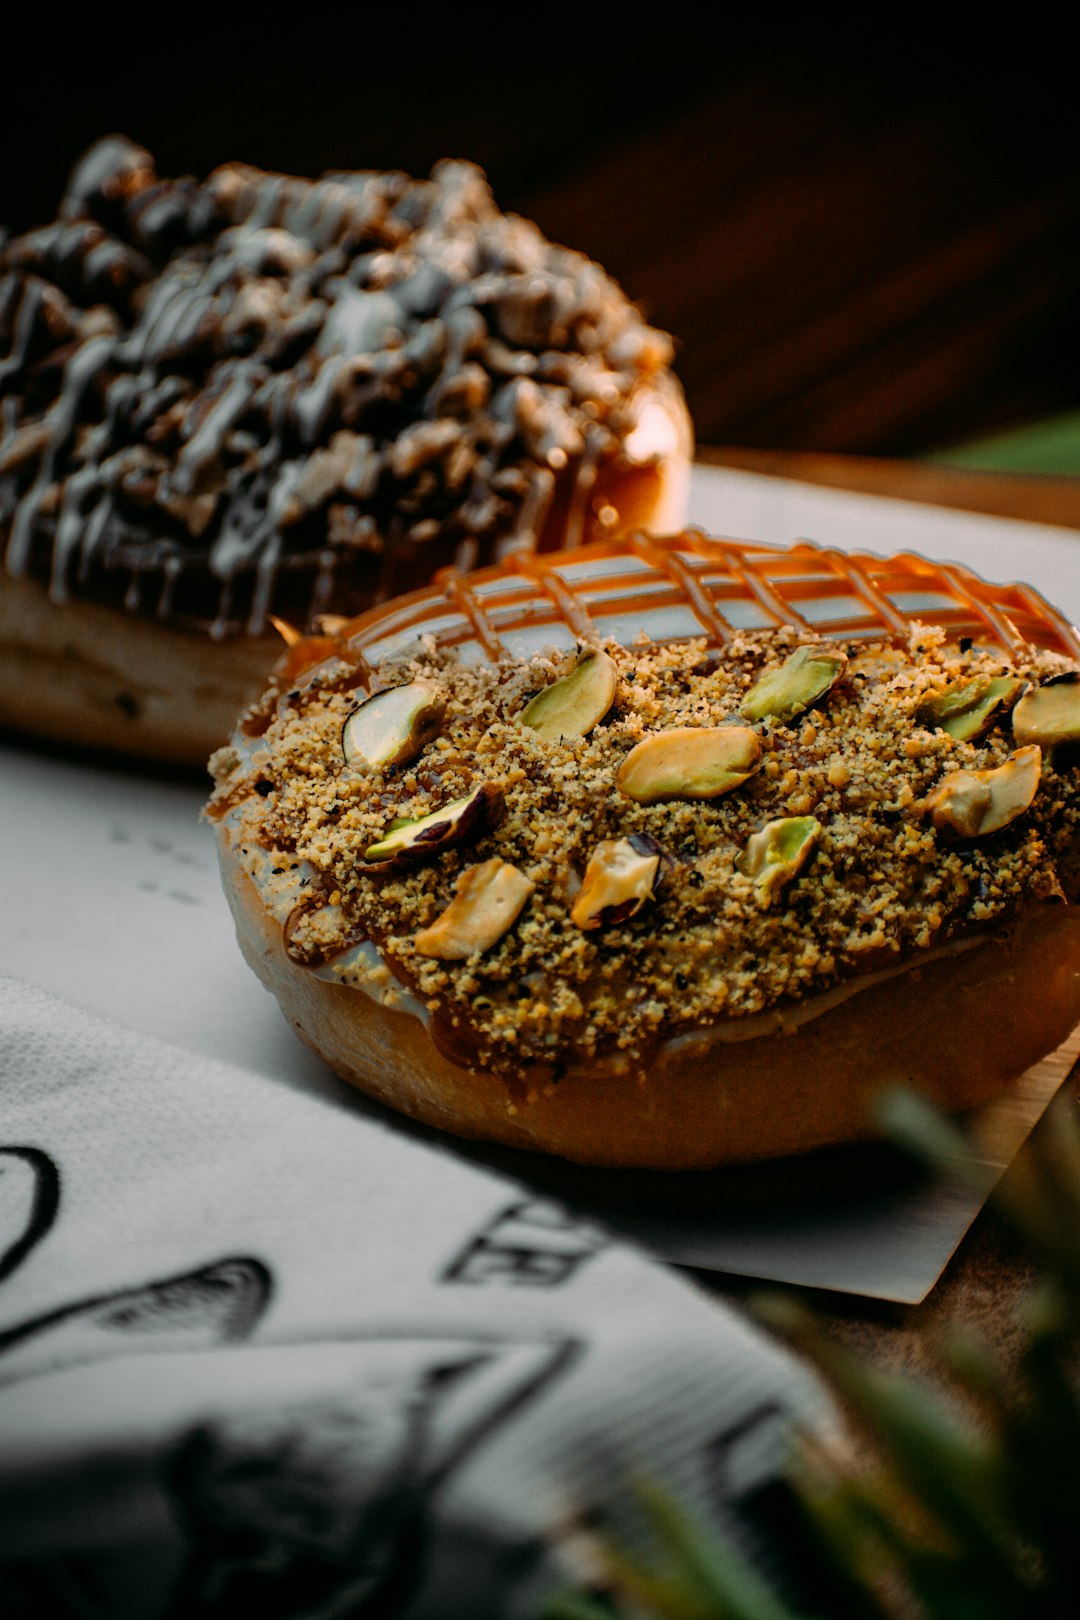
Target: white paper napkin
{"x": 261, "y": 1355}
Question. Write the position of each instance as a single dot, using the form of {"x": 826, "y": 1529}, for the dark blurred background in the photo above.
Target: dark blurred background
{"x": 873, "y": 251}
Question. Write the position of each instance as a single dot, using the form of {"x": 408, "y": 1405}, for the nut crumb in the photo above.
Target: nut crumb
{"x": 882, "y": 881}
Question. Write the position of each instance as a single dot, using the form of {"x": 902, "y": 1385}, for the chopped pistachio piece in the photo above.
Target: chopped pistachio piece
{"x": 774, "y": 855}
{"x": 572, "y": 706}
{"x": 964, "y": 711}
{"x": 392, "y": 727}
{"x": 406, "y": 842}
{"x": 689, "y": 762}
{"x": 620, "y": 877}
{"x": 801, "y": 681}
{"x": 1049, "y": 714}
{"x": 972, "y": 803}
{"x": 487, "y": 901}
{"x": 398, "y": 821}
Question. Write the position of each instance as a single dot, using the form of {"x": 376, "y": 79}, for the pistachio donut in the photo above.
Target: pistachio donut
{"x": 258, "y": 398}
{"x": 670, "y": 904}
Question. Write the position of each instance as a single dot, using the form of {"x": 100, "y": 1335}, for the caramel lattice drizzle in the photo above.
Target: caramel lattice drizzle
{"x": 689, "y": 585}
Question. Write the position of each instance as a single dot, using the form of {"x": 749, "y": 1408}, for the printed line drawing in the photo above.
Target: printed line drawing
{"x": 530, "y": 1244}
{"x": 29, "y": 1201}
{"x": 214, "y": 1304}
{"x": 320, "y": 1505}
{"x": 302, "y": 1473}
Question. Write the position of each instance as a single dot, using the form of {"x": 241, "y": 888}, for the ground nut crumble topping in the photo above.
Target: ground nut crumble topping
{"x": 709, "y": 943}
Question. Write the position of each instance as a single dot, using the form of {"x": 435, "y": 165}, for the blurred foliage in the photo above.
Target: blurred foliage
{"x": 946, "y": 1506}
{"x": 1051, "y": 448}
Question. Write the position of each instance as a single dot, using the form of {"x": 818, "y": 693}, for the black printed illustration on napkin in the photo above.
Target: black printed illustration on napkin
{"x": 531, "y": 1244}
{"x": 214, "y": 1304}
{"x": 313, "y": 1501}
{"x": 29, "y": 1200}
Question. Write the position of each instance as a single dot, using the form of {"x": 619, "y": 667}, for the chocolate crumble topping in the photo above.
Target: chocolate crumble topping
{"x": 256, "y": 394}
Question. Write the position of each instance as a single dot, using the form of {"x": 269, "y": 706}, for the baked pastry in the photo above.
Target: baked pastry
{"x": 519, "y": 871}
{"x": 259, "y": 396}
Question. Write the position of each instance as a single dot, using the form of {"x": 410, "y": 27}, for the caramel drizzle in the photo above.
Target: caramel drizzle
{"x": 865, "y": 591}
{"x": 755, "y": 585}
{"x": 673, "y": 567}
{"x": 1039, "y": 611}
{"x": 456, "y": 590}
{"x": 777, "y": 580}
{"x": 573, "y": 613}
{"x": 977, "y": 603}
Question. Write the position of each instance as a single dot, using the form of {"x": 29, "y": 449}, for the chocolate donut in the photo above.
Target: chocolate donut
{"x": 669, "y": 858}
{"x": 258, "y": 397}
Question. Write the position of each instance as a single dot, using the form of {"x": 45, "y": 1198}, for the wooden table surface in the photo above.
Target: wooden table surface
{"x": 1029, "y": 497}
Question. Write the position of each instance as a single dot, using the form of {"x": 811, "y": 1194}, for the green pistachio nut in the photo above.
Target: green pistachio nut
{"x": 461, "y": 821}
{"x": 774, "y": 855}
{"x": 973, "y": 803}
{"x": 487, "y": 901}
{"x": 393, "y": 726}
{"x": 1049, "y": 714}
{"x": 801, "y": 681}
{"x": 965, "y": 711}
{"x": 572, "y": 706}
{"x": 621, "y": 876}
{"x": 689, "y": 762}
